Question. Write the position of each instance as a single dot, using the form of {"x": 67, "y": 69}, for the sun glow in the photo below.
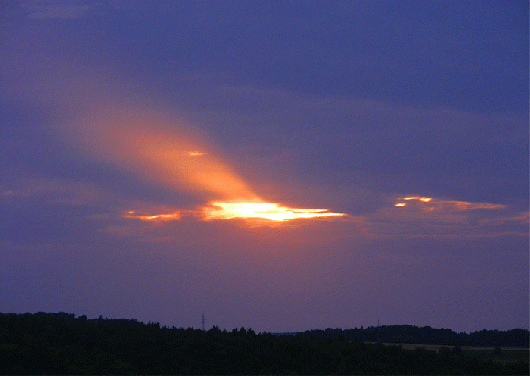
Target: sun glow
{"x": 217, "y": 210}
{"x": 262, "y": 210}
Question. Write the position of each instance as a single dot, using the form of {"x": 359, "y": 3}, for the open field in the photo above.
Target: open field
{"x": 507, "y": 354}
{"x": 413, "y": 346}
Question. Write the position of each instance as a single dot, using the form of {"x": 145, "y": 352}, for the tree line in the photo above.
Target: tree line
{"x": 427, "y": 335}
{"x": 63, "y": 344}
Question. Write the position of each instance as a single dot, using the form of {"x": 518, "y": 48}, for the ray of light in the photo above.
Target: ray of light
{"x": 158, "y": 146}
{"x": 160, "y": 149}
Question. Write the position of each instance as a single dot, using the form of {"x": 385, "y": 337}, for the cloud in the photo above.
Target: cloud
{"x": 419, "y": 217}
{"x": 257, "y": 213}
{"x": 426, "y": 217}
{"x": 429, "y": 204}
{"x": 60, "y": 9}
{"x": 159, "y": 147}
{"x": 377, "y": 145}
{"x": 163, "y": 148}
{"x": 51, "y": 191}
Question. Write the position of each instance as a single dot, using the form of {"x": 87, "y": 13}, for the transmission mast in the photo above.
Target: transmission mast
{"x": 203, "y": 322}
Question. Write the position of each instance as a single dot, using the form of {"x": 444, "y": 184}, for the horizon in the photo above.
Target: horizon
{"x": 213, "y": 326}
{"x": 272, "y": 165}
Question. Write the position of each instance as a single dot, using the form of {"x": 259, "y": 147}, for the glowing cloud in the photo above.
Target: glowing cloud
{"x": 462, "y": 205}
{"x": 435, "y": 204}
{"x": 262, "y": 210}
{"x": 154, "y": 218}
{"x": 422, "y": 199}
{"x": 267, "y": 211}
{"x": 431, "y": 217}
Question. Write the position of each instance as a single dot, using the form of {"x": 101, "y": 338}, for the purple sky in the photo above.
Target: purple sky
{"x": 111, "y": 107}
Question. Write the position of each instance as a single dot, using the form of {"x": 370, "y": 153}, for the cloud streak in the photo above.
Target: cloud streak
{"x": 429, "y": 204}
{"x": 264, "y": 213}
{"x": 59, "y": 9}
{"x": 163, "y": 148}
{"x": 427, "y": 217}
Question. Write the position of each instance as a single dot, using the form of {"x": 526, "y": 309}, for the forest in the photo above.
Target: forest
{"x": 60, "y": 343}
{"x": 428, "y": 335}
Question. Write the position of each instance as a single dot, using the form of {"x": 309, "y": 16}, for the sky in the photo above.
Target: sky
{"x": 274, "y": 165}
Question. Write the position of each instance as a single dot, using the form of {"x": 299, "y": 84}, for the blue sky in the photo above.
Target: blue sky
{"x": 348, "y": 106}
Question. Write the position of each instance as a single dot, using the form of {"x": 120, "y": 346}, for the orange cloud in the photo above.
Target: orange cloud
{"x": 418, "y": 216}
{"x": 435, "y": 204}
{"x": 261, "y": 211}
{"x": 154, "y": 218}
{"x": 462, "y": 205}
{"x": 422, "y": 199}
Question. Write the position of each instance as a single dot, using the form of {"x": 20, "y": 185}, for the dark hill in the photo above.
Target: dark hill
{"x": 428, "y": 335}
{"x": 63, "y": 344}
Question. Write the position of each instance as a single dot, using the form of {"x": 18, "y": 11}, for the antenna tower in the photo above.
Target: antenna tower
{"x": 203, "y": 322}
